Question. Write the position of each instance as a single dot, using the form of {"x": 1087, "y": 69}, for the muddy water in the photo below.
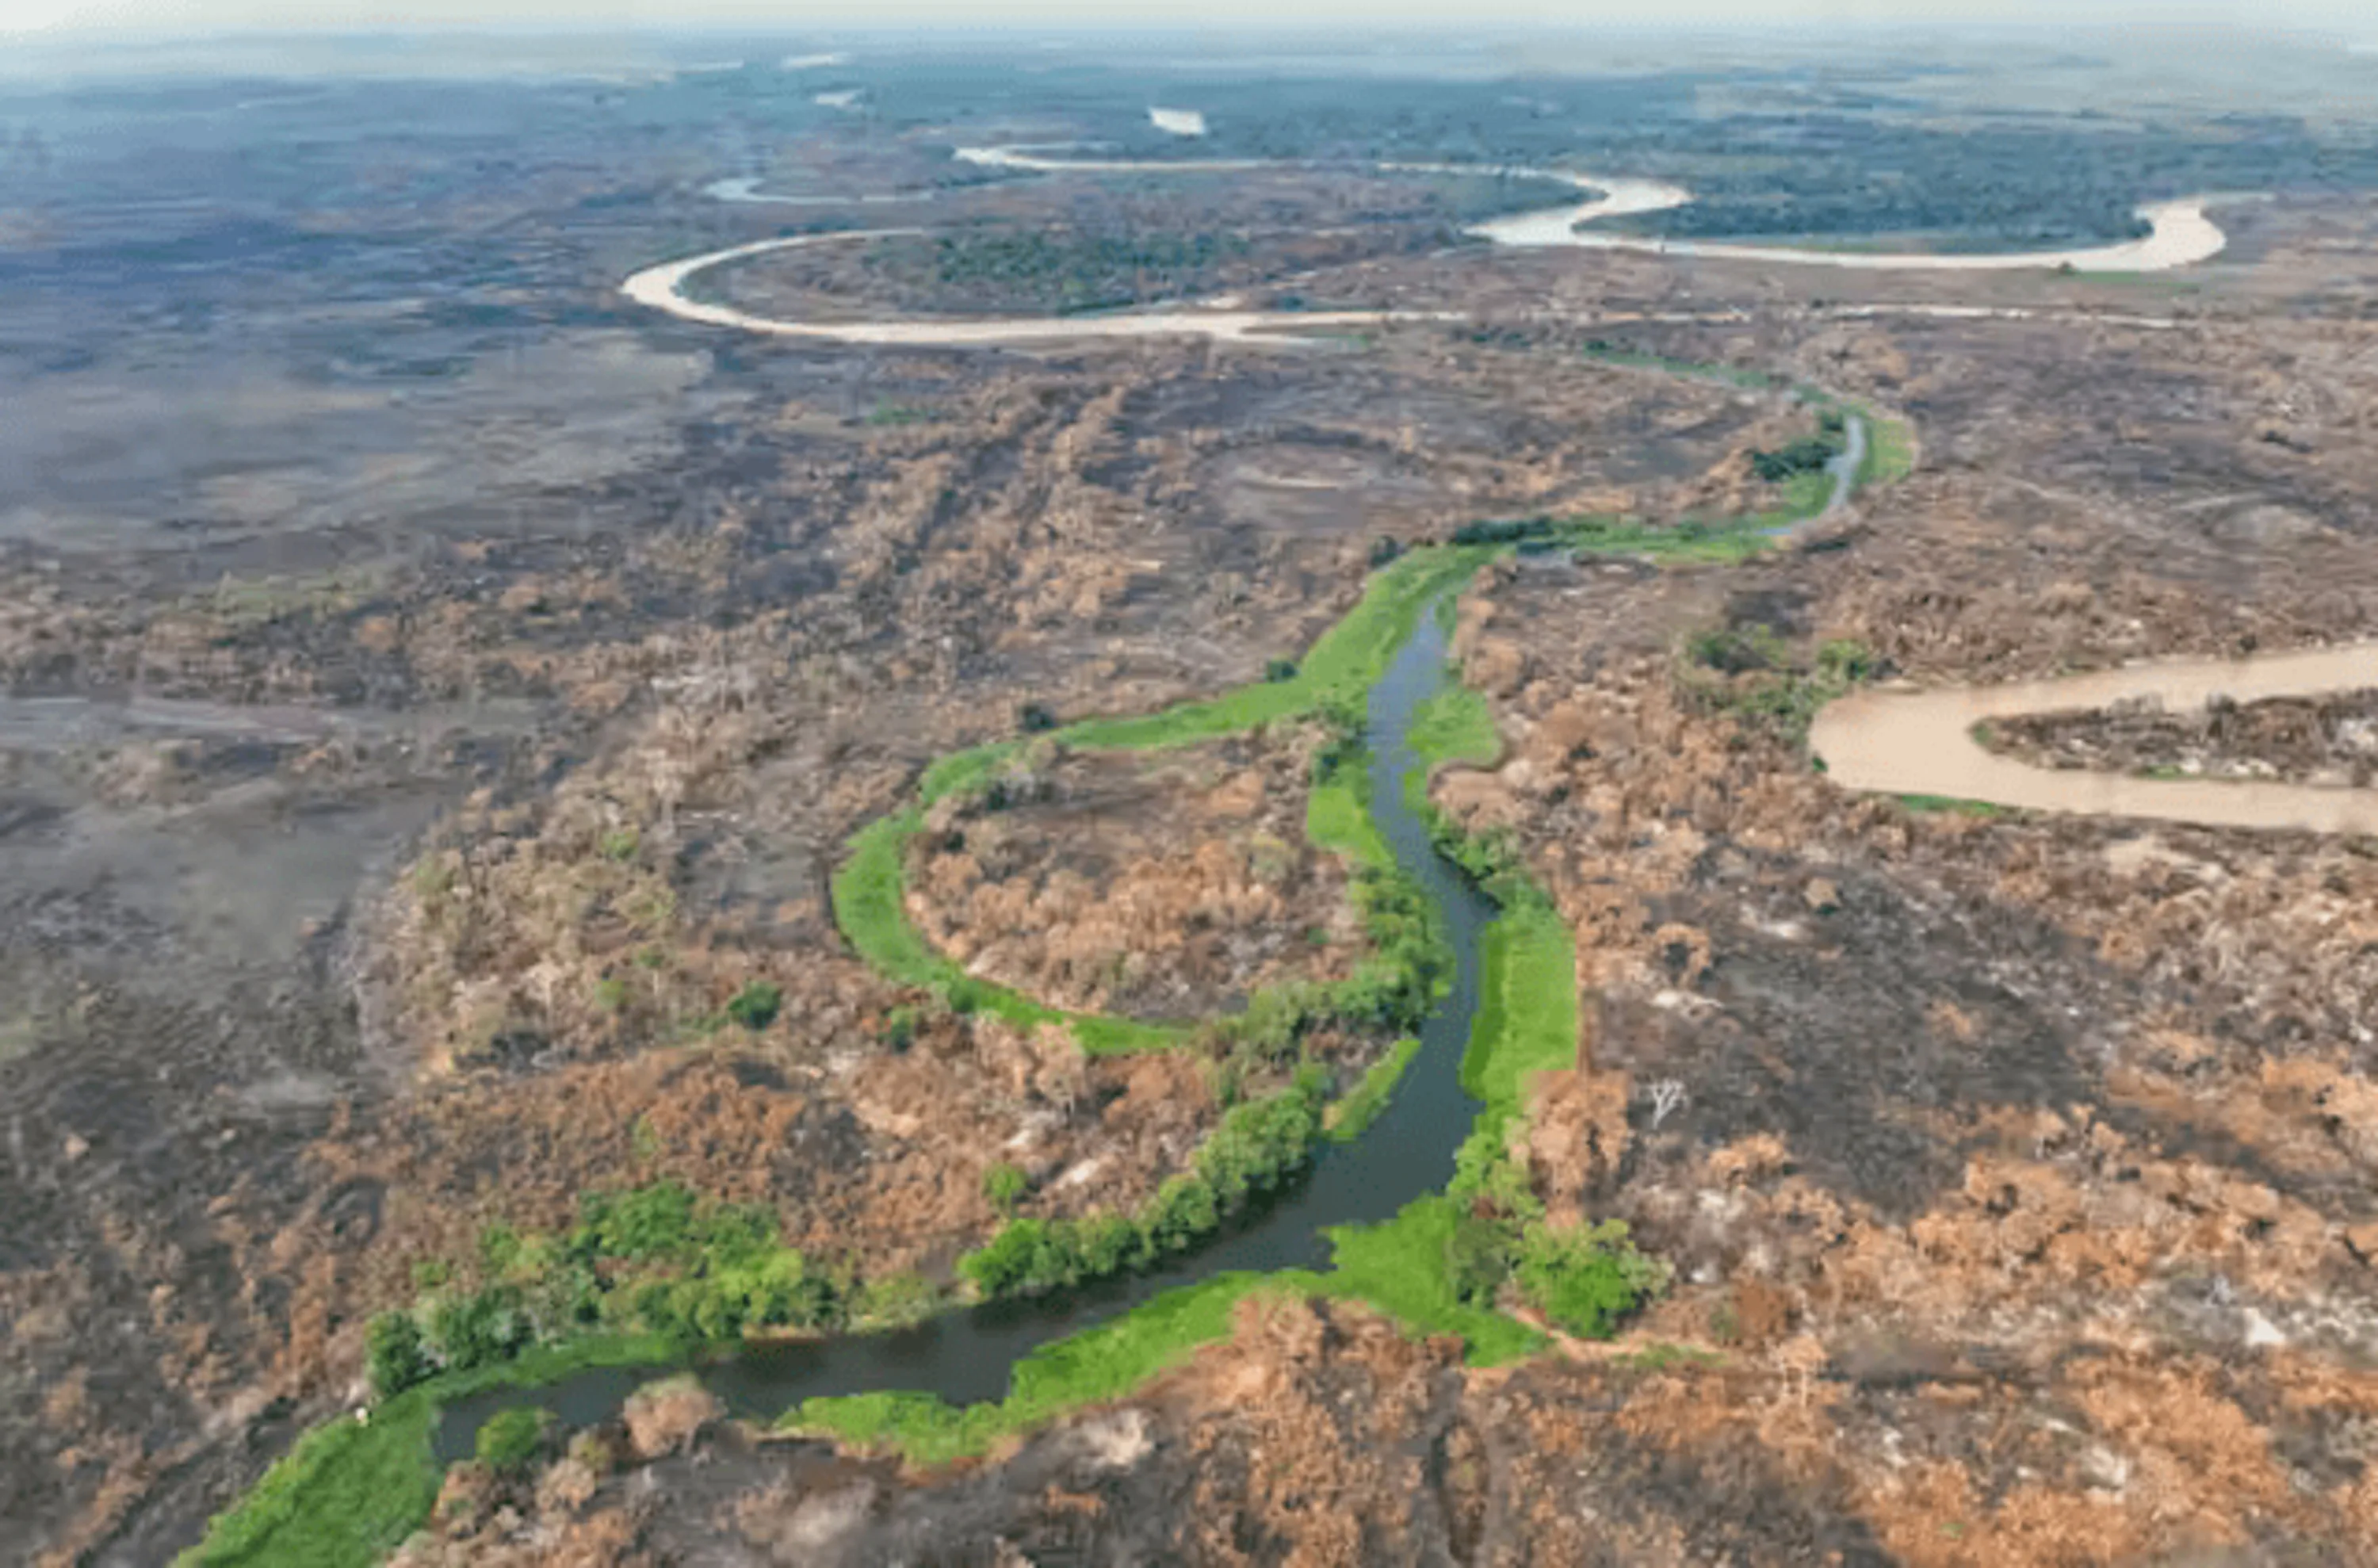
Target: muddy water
{"x": 1922, "y": 743}
{"x": 966, "y": 1356}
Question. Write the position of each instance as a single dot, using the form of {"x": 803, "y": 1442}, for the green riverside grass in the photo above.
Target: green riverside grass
{"x": 351, "y": 1491}
{"x": 1527, "y": 1011}
{"x": 1361, "y": 1105}
{"x": 1456, "y": 726}
{"x": 1954, "y": 805}
{"x": 1101, "y": 1363}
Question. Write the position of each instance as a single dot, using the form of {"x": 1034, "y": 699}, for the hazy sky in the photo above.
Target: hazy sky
{"x": 2352, "y": 17}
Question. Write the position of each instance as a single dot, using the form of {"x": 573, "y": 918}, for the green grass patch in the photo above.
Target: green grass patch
{"x": 1353, "y": 1113}
{"x": 1664, "y": 1357}
{"x": 1454, "y": 725}
{"x": 1338, "y": 819}
{"x": 1951, "y": 804}
{"x": 1526, "y": 1019}
{"x": 350, "y": 1493}
{"x": 1105, "y": 1362}
{"x": 1400, "y": 1267}
{"x": 1693, "y": 542}
{"x": 1890, "y": 451}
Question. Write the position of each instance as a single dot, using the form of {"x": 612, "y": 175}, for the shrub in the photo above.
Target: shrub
{"x": 1277, "y": 671}
{"x": 1004, "y": 1185}
{"x": 510, "y": 1439}
{"x": 482, "y": 1328}
{"x": 755, "y": 1007}
{"x": 1478, "y": 1256}
{"x": 1257, "y": 1147}
{"x": 787, "y": 1291}
{"x": 1804, "y": 455}
{"x": 1733, "y": 650}
{"x": 1109, "y": 1244}
{"x": 1508, "y": 531}
{"x": 619, "y": 844}
{"x": 1383, "y": 550}
{"x": 500, "y": 1247}
{"x": 394, "y": 1354}
{"x": 1587, "y": 1280}
{"x": 1847, "y": 661}
{"x": 643, "y": 1221}
{"x": 899, "y": 1301}
{"x": 1182, "y": 1210}
{"x": 898, "y": 1029}
{"x": 610, "y": 993}
{"x": 735, "y": 1234}
{"x": 1026, "y": 1258}
{"x": 1035, "y": 717}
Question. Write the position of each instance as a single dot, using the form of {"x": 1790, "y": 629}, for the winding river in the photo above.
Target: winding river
{"x": 2180, "y": 234}
{"x": 966, "y": 1356}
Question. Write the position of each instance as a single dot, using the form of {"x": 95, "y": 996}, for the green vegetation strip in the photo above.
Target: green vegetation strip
{"x": 1102, "y": 1363}
{"x": 1889, "y": 450}
{"x": 1527, "y": 1012}
{"x": 1954, "y": 805}
{"x": 1354, "y": 1111}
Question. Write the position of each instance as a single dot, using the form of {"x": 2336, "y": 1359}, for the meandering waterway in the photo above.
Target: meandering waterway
{"x": 2179, "y": 234}
{"x": 966, "y": 1357}
{"x": 1924, "y": 743}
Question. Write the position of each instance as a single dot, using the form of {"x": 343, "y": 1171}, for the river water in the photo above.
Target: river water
{"x": 1906, "y": 743}
{"x": 965, "y": 1356}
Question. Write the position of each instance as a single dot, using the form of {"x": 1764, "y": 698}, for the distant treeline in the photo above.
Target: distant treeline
{"x": 1853, "y": 165}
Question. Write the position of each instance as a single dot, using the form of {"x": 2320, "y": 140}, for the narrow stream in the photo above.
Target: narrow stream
{"x": 965, "y": 1357}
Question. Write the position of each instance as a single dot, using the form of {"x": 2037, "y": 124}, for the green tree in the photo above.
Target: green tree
{"x": 641, "y": 1222}
{"x": 1002, "y": 1265}
{"x": 481, "y": 1328}
{"x": 1587, "y": 1279}
{"x": 394, "y": 1353}
{"x": 1182, "y": 1210}
{"x": 1477, "y": 1258}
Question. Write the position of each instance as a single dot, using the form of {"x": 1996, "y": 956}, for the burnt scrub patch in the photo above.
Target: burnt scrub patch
{"x": 1866, "y": 1023}
{"x": 1603, "y": 1466}
{"x": 1165, "y": 886}
{"x": 2326, "y": 739}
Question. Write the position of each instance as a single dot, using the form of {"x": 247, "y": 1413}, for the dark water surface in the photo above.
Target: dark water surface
{"x": 965, "y": 1357}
